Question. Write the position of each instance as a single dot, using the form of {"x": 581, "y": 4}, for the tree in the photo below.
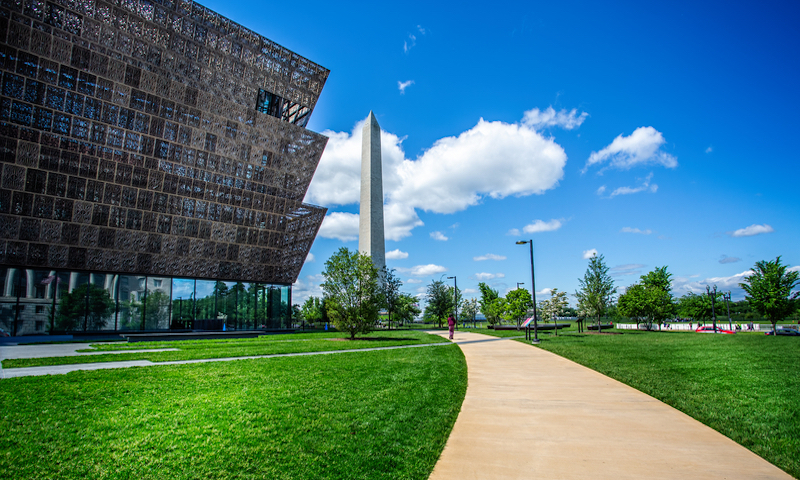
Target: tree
{"x": 646, "y": 303}
{"x": 494, "y": 311}
{"x": 469, "y": 309}
{"x": 650, "y": 300}
{"x": 390, "y": 291}
{"x": 596, "y": 290}
{"x": 312, "y": 309}
{"x": 554, "y": 306}
{"x": 697, "y": 307}
{"x": 769, "y": 290}
{"x": 76, "y": 311}
{"x": 440, "y": 301}
{"x": 407, "y": 308}
{"x": 489, "y": 306}
{"x": 352, "y": 291}
{"x": 517, "y": 304}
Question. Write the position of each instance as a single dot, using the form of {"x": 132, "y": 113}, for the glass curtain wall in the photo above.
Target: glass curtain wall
{"x": 49, "y": 301}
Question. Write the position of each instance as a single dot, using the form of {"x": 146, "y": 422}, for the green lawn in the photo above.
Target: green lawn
{"x": 380, "y": 414}
{"x": 264, "y": 345}
{"x": 745, "y": 386}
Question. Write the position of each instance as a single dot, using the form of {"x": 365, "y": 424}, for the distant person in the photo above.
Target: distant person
{"x": 451, "y": 323}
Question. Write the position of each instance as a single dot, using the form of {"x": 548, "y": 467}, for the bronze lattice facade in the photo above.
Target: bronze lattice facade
{"x": 153, "y": 138}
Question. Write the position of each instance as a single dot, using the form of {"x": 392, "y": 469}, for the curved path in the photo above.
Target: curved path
{"x": 529, "y": 413}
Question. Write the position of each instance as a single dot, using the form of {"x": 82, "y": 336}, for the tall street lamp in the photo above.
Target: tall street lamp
{"x": 533, "y": 293}
{"x": 727, "y": 297}
{"x": 713, "y": 295}
{"x": 455, "y": 296}
{"x": 520, "y": 283}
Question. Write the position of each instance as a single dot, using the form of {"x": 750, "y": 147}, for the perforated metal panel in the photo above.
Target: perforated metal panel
{"x": 134, "y": 139}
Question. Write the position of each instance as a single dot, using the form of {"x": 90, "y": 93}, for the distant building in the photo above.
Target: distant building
{"x": 153, "y": 154}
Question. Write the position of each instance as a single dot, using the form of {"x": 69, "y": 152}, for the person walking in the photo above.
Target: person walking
{"x": 452, "y": 325}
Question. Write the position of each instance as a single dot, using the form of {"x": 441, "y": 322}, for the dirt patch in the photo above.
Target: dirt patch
{"x": 398, "y": 339}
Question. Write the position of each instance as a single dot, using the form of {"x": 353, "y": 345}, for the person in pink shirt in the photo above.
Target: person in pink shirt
{"x": 452, "y": 325}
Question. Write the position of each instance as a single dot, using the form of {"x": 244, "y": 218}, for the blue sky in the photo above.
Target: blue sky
{"x": 653, "y": 134}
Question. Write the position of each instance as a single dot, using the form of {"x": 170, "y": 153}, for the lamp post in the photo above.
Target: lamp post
{"x": 533, "y": 293}
{"x": 520, "y": 283}
{"x": 455, "y": 296}
{"x": 727, "y": 297}
{"x": 713, "y": 295}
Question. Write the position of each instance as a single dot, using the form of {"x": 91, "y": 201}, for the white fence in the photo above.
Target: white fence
{"x": 690, "y": 326}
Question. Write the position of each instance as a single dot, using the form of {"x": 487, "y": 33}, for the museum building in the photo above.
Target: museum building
{"x": 153, "y": 163}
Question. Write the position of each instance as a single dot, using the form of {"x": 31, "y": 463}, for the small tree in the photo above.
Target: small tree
{"x": 517, "y": 304}
{"x": 312, "y": 309}
{"x": 769, "y": 290}
{"x": 650, "y": 300}
{"x": 489, "y": 306}
{"x": 596, "y": 290}
{"x": 407, "y": 308}
{"x": 440, "y": 301}
{"x": 646, "y": 303}
{"x": 390, "y": 291}
{"x": 352, "y": 291}
{"x": 469, "y": 309}
{"x": 554, "y": 306}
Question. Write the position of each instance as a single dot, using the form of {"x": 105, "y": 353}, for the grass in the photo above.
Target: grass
{"x": 225, "y": 348}
{"x": 745, "y": 386}
{"x": 381, "y": 414}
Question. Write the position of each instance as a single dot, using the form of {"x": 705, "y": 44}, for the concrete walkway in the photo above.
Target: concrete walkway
{"x": 531, "y": 414}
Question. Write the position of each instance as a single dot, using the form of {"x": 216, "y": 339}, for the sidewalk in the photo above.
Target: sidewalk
{"x": 531, "y": 414}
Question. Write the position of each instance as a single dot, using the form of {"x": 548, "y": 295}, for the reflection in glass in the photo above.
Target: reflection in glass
{"x": 51, "y": 301}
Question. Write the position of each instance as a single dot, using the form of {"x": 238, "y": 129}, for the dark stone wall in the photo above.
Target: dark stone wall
{"x": 130, "y": 142}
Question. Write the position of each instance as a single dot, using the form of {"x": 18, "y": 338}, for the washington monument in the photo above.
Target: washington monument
{"x": 370, "y": 222}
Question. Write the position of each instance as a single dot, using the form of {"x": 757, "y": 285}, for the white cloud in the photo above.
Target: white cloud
{"x": 709, "y": 150}
{"x": 482, "y": 277}
{"x": 601, "y": 190}
{"x": 488, "y": 256}
{"x": 309, "y": 258}
{"x": 421, "y": 29}
{"x": 307, "y": 287}
{"x": 628, "y": 269}
{"x": 642, "y": 147}
{"x": 643, "y": 187}
{"x": 752, "y": 230}
{"x": 491, "y": 160}
{"x": 410, "y": 43}
{"x": 684, "y": 285}
{"x": 567, "y": 120}
{"x": 636, "y": 230}
{"x": 396, "y": 254}
{"x": 544, "y": 291}
{"x": 539, "y": 226}
{"x": 403, "y": 85}
{"x": 439, "y": 236}
{"x": 726, "y": 259}
{"x": 423, "y": 270}
{"x": 399, "y": 220}
{"x": 514, "y": 232}
{"x": 587, "y": 254}
{"x": 341, "y": 226}
{"x": 413, "y": 280}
